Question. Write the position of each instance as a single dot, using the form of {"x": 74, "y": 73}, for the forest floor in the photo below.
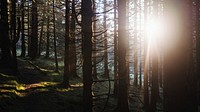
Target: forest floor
{"x": 39, "y": 90}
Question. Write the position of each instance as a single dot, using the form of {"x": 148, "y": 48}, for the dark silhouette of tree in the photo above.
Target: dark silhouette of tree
{"x": 73, "y": 41}
{"x": 34, "y": 31}
{"x": 23, "y": 46}
{"x": 86, "y": 11}
{"x": 154, "y": 90}
{"x": 48, "y": 30}
{"x": 106, "y": 71}
{"x": 146, "y": 90}
{"x": 66, "y": 54}
{"x": 115, "y": 50}
{"x": 179, "y": 79}
{"x": 198, "y": 46}
{"x": 122, "y": 47}
{"x": 94, "y": 56}
{"x": 54, "y": 38}
{"x": 5, "y": 41}
{"x": 136, "y": 48}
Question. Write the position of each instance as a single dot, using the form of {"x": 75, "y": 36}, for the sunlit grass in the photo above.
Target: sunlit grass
{"x": 64, "y": 89}
{"x": 77, "y": 85}
{"x": 6, "y": 76}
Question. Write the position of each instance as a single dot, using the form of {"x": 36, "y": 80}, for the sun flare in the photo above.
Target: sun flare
{"x": 154, "y": 29}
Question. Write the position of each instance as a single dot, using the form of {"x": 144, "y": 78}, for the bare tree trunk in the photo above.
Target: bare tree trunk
{"x": 23, "y": 46}
{"x": 5, "y": 42}
{"x": 86, "y": 10}
{"x": 94, "y": 42}
{"x": 122, "y": 50}
{"x": 146, "y": 62}
{"x": 198, "y": 46}
{"x": 48, "y": 30}
{"x": 34, "y": 32}
{"x": 136, "y": 49}
{"x": 115, "y": 50}
{"x": 40, "y": 38}
{"x": 66, "y": 57}
{"x": 73, "y": 42}
{"x": 154, "y": 90}
{"x": 179, "y": 80}
{"x": 54, "y": 37}
{"x": 106, "y": 71}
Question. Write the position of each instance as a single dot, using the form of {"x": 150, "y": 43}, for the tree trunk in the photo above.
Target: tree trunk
{"x": 94, "y": 42}
{"x": 136, "y": 50}
{"x": 179, "y": 81}
{"x": 115, "y": 50}
{"x": 154, "y": 90}
{"x": 146, "y": 62}
{"x": 106, "y": 72}
{"x": 66, "y": 57}
{"x": 34, "y": 32}
{"x": 54, "y": 38}
{"x": 41, "y": 36}
{"x": 198, "y": 46}
{"x": 23, "y": 46}
{"x": 73, "y": 42}
{"x": 122, "y": 50}
{"x": 5, "y": 41}
{"x": 86, "y": 10}
{"x": 48, "y": 30}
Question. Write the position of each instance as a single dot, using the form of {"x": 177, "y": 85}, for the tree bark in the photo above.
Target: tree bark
{"x": 34, "y": 32}
{"x": 115, "y": 50}
{"x": 5, "y": 41}
{"x": 122, "y": 50}
{"x": 86, "y": 10}
{"x": 66, "y": 57}
{"x": 179, "y": 80}
{"x": 73, "y": 42}
{"x": 155, "y": 89}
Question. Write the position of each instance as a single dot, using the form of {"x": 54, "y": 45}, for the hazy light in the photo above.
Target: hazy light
{"x": 154, "y": 29}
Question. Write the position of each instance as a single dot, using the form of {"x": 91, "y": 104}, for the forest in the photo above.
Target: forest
{"x": 99, "y": 56}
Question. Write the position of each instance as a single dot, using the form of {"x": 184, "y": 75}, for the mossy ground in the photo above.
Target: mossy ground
{"x": 33, "y": 91}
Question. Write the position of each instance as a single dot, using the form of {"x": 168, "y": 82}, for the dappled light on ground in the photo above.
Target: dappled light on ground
{"x": 33, "y": 91}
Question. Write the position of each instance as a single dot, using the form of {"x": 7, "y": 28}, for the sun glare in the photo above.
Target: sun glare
{"x": 154, "y": 30}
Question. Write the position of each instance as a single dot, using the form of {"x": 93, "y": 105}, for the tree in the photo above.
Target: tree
{"x": 106, "y": 71}
{"x": 5, "y": 41}
{"x": 135, "y": 49}
{"x": 23, "y": 47}
{"x": 34, "y": 32}
{"x": 73, "y": 41}
{"x": 86, "y": 11}
{"x": 179, "y": 79}
{"x": 154, "y": 90}
{"x": 198, "y": 45}
{"x": 48, "y": 30}
{"x": 122, "y": 50}
{"x": 115, "y": 50}
{"x": 54, "y": 38}
{"x": 146, "y": 90}
{"x": 66, "y": 54}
